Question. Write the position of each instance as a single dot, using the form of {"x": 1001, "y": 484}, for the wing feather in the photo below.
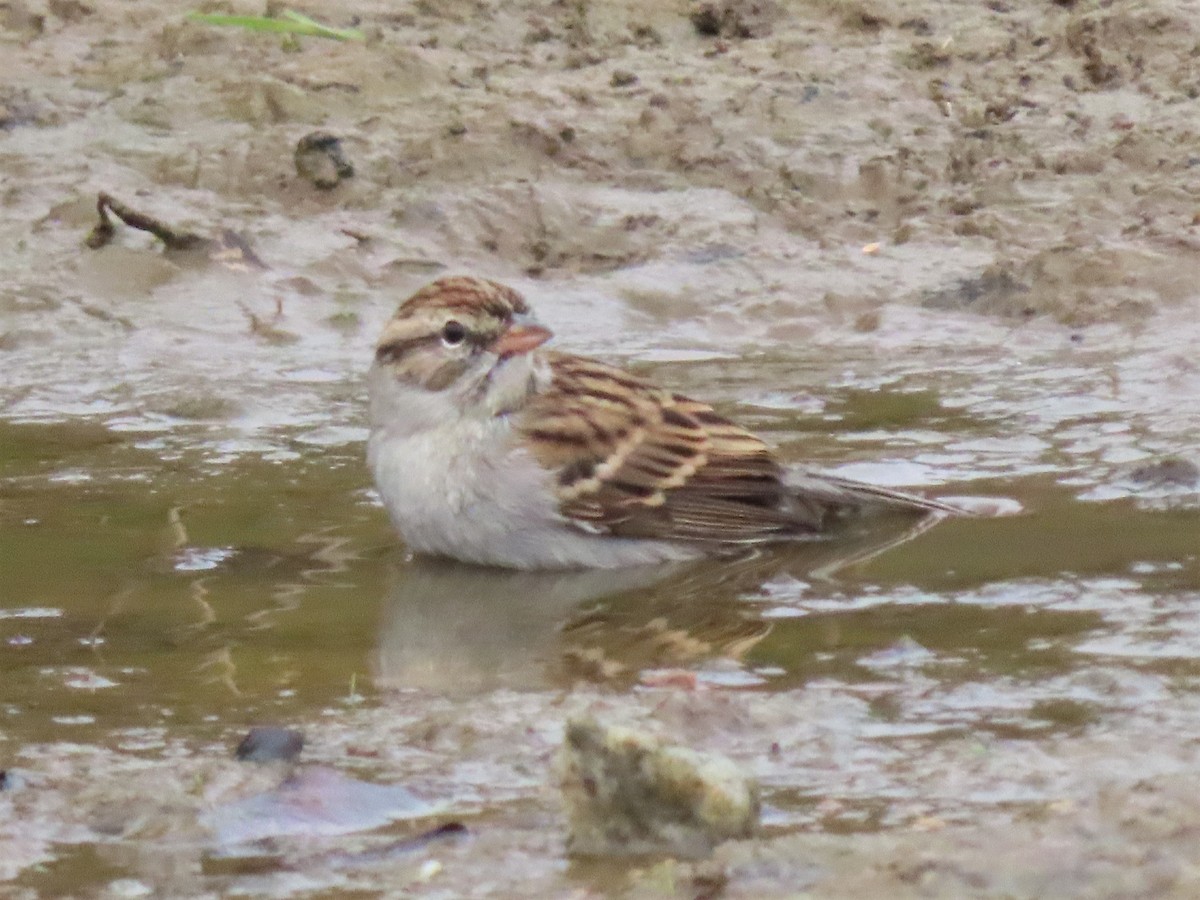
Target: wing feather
{"x": 634, "y": 460}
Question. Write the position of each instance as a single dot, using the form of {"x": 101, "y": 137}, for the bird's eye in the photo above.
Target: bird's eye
{"x": 453, "y": 333}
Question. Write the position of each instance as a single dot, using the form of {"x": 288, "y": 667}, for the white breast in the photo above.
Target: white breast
{"x": 455, "y": 490}
{"x": 462, "y": 486}
{"x": 467, "y": 492}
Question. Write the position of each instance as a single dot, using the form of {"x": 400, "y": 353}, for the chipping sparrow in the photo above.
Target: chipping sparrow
{"x": 488, "y": 449}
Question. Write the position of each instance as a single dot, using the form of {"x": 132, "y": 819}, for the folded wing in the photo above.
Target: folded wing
{"x": 634, "y": 460}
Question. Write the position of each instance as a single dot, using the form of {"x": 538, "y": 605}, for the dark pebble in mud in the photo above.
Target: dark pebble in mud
{"x": 707, "y": 20}
{"x": 269, "y": 743}
{"x": 735, "y": 18}
{"x": 321, "y": 161}
{"x": 1173, "y": 472}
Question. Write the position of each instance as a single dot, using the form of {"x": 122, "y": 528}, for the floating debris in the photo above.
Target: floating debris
{"x": 312, "y": 802}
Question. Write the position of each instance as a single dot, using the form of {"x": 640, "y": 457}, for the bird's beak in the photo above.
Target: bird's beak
{"x": 522, "y": 335}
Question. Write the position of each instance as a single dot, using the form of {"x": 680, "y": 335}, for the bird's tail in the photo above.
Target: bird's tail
{"x": 809, "y": 486}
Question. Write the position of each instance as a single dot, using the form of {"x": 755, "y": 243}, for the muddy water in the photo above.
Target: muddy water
{"x": 162, "y": 593}
{"x": 922, "y": 244}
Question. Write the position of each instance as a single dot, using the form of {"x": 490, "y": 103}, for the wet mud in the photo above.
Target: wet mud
{"x": 930, "y": 244}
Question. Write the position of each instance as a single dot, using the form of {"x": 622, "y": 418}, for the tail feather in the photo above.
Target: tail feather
{"x": 810, "y": 487}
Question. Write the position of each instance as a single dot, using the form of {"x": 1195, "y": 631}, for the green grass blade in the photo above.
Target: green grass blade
{"x": 291, "y": 23}
{"x": 341, "y": 34}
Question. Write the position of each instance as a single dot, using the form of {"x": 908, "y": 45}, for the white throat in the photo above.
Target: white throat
{"x": 498, "y": 387}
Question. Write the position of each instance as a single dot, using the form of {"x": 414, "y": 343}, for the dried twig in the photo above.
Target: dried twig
{"x": 230, "y": 249}
{"x": 104, "y": 231}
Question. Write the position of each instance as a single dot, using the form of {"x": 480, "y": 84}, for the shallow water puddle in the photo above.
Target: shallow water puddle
{"x": 161, "y": 588}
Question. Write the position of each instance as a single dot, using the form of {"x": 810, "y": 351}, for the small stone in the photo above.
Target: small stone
{"x": 319, "y": 159}
{"x": 706, "y": 19}
{"x": 622, "y": 78}
{"x": 269, "y": 743}
{"x": 628, "y": 793}
{"x": 736, "y": 18}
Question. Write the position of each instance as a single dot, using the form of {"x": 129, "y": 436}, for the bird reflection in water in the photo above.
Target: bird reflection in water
{"x": 455, "y": 627}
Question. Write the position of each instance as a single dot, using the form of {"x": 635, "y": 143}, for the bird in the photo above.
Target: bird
{"x": 489, "y": 448}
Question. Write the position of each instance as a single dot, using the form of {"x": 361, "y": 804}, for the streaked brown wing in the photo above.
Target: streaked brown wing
{"x": 637, "y": 461}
